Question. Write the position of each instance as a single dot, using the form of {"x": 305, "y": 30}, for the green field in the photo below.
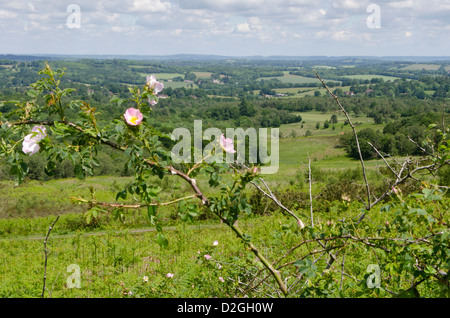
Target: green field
{"x": 203, "y": 74}
{"x": 295, "y": 92}
{"x": 370, "y": 76}
{"x": 167, "y": 76}
{"x": 178, "y": 84}
{"x": 418, "y": 66}
{"x": 294, "y": 79}
{"x": 322, "y": 146}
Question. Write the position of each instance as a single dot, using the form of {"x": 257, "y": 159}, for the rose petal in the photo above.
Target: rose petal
{"x": 133, "y": 116}
{"x": 227, "y": 144}
{"x": 30, "y": 146}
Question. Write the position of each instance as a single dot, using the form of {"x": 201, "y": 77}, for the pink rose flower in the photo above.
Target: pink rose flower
{"x": 153, "y": 84}
{"x": 133, "y": 116}
{"x": 227, "y": 144}
{"x": 30, "y": 143}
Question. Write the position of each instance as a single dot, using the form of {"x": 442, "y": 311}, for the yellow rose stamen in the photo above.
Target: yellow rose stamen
{"x": 133, "y": 119}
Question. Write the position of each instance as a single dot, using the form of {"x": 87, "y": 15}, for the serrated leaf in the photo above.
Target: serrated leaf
{"x": 151, "y": 212}
{"x": 161, "y": 240}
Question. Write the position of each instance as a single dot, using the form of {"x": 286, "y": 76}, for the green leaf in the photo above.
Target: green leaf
{"x": 121, "y": 195}
{"x": 50, "y": 168}
{"x": 32, "y": 93}
{"x": 306, "y": 267}
{"x": 17, "y": 172}
{"x": 151, "y": 212}
{"x": 162, "y": 241}
{"x": 430, "y": 270}
{"x": 418, "y": 211}
{"x": 88, "y": 218}
{"x": 246, "y": 237}
{"x": 79, "y": 171}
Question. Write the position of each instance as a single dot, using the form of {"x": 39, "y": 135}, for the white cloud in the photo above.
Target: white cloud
{"x": 243, "y": 28}
{"x": 407, "y": 4}
{"x": 350, "y": 4}
{"x": 211, "y": 26}
{"x": 6, "y": 15}
{"x": 143, "y": 6}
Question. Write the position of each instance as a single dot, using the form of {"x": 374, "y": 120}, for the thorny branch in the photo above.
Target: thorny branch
{"x": 368, "y": 205}
{"x": 46, "y": 254}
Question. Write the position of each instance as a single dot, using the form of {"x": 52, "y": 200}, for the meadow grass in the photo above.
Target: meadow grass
{"x": 111, "y": 267}
{"x": 113, "y": 264}
{"x": 372, "y": 76}
{"x": 419, "y": 66}
{"x": 105, "y": 260}
{"x": 110, "y": 264}
{"x": 294, "y": 79}
{"x": 295, "y": 92}
{"x": 310, "y": 119}
{"x": 203, "y": 74}
{"x": 167, "y": 76}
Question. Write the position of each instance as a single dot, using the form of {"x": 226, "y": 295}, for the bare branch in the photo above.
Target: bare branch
{"x": 271, "y": 196}
{"x": 46, "y": 253}
{"x": 310, "y": 192}
{"x": 368, "y": 205}
{"x": 130, "y": 206}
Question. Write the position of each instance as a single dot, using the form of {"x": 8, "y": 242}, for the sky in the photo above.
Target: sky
{"x": 226, "y": 27}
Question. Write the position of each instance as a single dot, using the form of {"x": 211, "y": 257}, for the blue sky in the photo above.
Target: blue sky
{"x": 228, "y": 27}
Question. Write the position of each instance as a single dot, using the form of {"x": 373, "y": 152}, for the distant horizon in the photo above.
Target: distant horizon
{"x": 443, "y": 57}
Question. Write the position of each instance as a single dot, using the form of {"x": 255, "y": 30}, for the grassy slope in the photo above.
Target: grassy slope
{"x": 39, "y": 199}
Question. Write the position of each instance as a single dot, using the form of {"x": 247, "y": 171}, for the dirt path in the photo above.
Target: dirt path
{"x": 134, "y": 231}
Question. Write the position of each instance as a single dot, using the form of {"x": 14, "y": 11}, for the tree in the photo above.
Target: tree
{"x": 333, "y": 119}
{"x": 365, "y": 136}
{"x": 190, "y": 76}
{"x": 246, "y": 109}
